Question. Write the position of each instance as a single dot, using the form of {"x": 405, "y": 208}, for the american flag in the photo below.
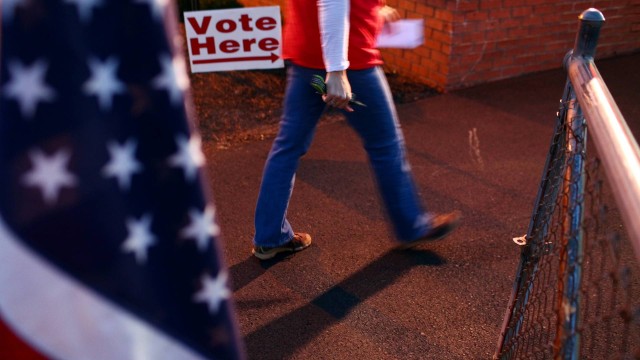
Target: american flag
{"x": 108, "y": 238}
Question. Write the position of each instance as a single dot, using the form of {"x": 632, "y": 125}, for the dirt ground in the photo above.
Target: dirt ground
{"x": 239, "y": 106}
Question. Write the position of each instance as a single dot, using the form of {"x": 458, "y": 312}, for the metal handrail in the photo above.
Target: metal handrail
{"x": 616, "y": 145}
{"x": 586, "y": 100}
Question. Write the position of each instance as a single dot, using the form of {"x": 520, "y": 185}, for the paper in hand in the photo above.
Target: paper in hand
{"x": 402, "y": 34}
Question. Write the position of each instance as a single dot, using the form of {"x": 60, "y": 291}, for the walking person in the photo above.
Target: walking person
{"x": 335, "y": 39}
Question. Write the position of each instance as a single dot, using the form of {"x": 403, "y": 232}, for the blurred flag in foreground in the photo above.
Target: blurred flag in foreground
{"x": 108, "y": 239}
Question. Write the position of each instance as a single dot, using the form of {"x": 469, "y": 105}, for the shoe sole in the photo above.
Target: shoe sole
{"x": 411, "y": 244}
{"x": 271, "y": 254}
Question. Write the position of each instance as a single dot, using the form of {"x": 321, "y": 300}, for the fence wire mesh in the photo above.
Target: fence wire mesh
{"x": 575, "y": 240}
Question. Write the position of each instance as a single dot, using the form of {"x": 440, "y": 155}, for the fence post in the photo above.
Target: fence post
{"x": 615, "y": 143}
{"x": 591, "y": 21}
{"x": 567, "y": 342}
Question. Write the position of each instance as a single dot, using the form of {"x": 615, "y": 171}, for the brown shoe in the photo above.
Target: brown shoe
{"x": 300, "y": 241}
{"x": 441, "y": 226}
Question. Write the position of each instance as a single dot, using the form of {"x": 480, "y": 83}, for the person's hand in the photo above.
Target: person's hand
{"x": 338, "y": 90}
{"x": 389, "y": 14}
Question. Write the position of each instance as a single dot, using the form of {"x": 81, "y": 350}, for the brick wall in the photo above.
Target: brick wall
{"x": 469, "y": 42}
{"x": 496, "y": 39}
{"x": 429, "y": 63}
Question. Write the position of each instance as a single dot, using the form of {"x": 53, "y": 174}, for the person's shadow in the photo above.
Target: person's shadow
{"x": 299, "y": 327}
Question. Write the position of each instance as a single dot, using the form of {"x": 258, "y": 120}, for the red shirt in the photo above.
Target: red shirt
{"x": 301, "y": 43}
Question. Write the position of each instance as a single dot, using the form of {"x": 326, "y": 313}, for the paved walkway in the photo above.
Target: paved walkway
{"x": 480, "y": 150}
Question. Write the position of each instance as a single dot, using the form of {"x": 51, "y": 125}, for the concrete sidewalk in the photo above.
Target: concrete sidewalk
{"x": 480, "y": 150}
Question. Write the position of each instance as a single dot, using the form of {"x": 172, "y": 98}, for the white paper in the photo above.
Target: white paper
{"x": 402, "y": 34}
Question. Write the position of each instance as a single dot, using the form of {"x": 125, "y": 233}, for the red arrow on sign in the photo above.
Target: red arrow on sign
{"x": 273, "y": 57}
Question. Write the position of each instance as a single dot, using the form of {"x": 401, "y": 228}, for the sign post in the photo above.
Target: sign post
{"x": 234, "y": 39}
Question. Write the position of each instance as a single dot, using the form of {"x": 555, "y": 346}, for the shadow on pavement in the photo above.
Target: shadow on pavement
{"x": 334, "y": 304}
{"x": 348, "y": 182}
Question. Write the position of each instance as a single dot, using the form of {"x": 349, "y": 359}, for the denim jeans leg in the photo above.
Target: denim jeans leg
{"x": 378, "y": 126}
{"x": 301, "y": 112}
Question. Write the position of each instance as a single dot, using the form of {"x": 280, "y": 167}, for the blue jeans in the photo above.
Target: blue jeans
{"x": 378, "y": 127}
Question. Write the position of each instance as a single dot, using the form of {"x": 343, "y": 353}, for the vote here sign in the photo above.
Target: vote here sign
{"x": 234, "y": 39}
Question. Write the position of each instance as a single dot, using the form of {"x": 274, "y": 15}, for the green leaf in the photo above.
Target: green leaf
{"x": 317, "y": 82}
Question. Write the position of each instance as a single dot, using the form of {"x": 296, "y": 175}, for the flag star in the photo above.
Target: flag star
{"x": 140, "y": 238}
{"x": 122, "y": 164}
{"x": 158, "y": 7}
{"x": 202, "y": 227}
{"x": 172, "y": 78}
{"x": 27, "y": 86}
{"x": 189, "y": 156}
{"x": 84, "y": 7}
{"x": 9, "y": 8}
{"x": 104, "y": 82}
{"x": 49, "y": 173}
{"x": 214, "y": 291}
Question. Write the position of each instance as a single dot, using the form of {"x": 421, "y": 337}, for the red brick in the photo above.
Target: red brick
{"x": 544, "y": 9}
{"x": 510, "y": 3}
{"x": 442, "y": 37}
{"x": 466, "y": 49}
{"x": 407, "y": 5}
{"x": 432, "y": 44}
{"x": 424, "y": 10}
{"x": 510, "y": 23}
{"x": 466, "y": 27}
{"x": 558, "y": 46}
{"x": 438, "y": 3}
{"x": 467, "y": 5}
{"x": 417, "y": 69}
{"x": 509, "y": 44}
{"x": 446, "y": 49}
{"x": 564, "y": 8}
{"x": 444, "y": 15}
{"x": 521, "y": 11}
{"x": 401, "y": 65}
{"x": 428, "y": 32}
{"x": 423, "y": 51}
{"x": 519, "y": 33}
{"x": 472, "y": 37}
{"x": 499, "y": 13}
{"x": 410, "y": 15}
{"x": 473, "y": 16}
{"x": 500, "y": 59}
{"x": 494, "y": 36}
{"x": 552, "y": 18}
{"x": 490, "y": 4}
{"x": 436, "y": 24}
{"x": 443, "y": 68}
{"x": 537, "y": 2}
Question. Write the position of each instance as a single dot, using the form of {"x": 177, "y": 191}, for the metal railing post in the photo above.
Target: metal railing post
{"x": 567, "y": 342}
{"x": 616, "y": 145}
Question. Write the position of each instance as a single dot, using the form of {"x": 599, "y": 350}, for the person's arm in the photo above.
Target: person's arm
{"x": 333, "y": 18}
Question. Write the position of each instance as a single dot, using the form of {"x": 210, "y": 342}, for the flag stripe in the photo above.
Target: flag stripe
{"x": 28, "y": 283}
